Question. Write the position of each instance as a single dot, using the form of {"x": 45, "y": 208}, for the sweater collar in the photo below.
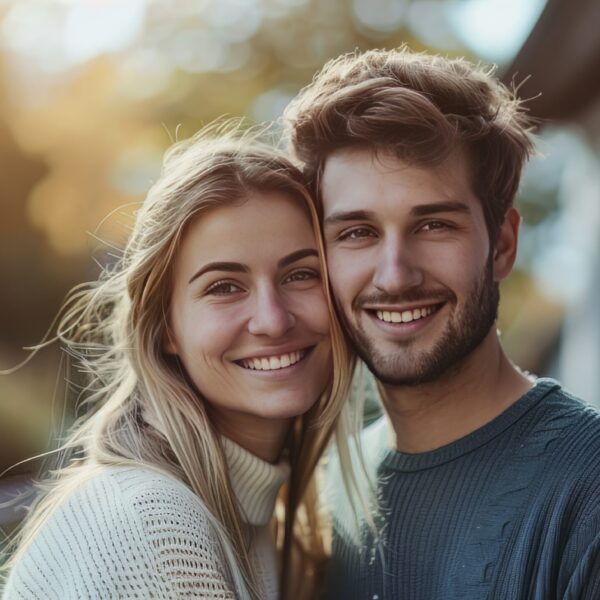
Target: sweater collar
{"x": 255, "y": 482}
{"x": 401, "y": 461}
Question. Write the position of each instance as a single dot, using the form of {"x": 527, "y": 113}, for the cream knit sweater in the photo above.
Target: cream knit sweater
{"x": 135, "y": 533}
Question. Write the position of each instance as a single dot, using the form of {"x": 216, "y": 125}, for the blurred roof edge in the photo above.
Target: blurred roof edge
{"x": 561, "y": 61}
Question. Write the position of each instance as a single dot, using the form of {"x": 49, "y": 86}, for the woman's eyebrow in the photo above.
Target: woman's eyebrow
{"x": 295, "y": 256}
{"x": 234, "y": 267}
{"x": 231, "y": 267}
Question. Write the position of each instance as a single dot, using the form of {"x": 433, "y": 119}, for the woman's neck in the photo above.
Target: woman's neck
{"x": 262, "y": 437}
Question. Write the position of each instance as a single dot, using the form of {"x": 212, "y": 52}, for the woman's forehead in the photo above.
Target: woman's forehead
{"x": 265, "y": 225}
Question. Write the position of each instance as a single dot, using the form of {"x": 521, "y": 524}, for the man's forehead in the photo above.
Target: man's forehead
{"x": 355, "y": 155}
{"x": 385, "y": 159}
{"x": 360, "y": 179}
{"x": 353, "y": 172}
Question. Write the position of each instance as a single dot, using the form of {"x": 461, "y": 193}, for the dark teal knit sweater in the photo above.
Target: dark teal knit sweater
{"x": 509, "y": 512}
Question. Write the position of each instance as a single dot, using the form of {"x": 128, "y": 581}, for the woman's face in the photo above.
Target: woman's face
{"x": 248, "y": 318}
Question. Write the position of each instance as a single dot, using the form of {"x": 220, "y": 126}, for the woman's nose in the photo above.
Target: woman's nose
{"x": 271, "y": 316}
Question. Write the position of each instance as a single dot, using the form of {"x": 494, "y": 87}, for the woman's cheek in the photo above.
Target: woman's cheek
{"x": 319, "y": 312}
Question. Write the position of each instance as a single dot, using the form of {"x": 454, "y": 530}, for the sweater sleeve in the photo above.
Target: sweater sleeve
{"x": 580, "y": 569}
{"x": 127, "y": 533}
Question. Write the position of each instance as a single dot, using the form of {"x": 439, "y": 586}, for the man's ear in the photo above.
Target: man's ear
{"x": 505, "y": 249}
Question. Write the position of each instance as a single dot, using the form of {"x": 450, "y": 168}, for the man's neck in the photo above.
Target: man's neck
{"x": 432, "y": 415}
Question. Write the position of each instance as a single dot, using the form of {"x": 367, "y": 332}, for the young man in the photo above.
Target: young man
{"x": 490, "y": 487}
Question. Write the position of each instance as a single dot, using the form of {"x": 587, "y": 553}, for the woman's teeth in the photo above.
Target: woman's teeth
{"x": 271, "y": 363}
{"x": 406, "y": 316}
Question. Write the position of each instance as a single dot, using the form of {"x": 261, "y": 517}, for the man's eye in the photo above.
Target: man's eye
{"x": 356, "y": 234}
{"x": 223, "y": 288}
{"x": 435, "y": 225}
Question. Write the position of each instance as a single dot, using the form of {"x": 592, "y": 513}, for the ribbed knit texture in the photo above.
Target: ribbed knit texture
{"x": 509, "y": 512}
{"x": 135, "y": 533}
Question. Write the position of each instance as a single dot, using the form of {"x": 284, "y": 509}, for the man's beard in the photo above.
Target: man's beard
{"x": 462, "y": 335}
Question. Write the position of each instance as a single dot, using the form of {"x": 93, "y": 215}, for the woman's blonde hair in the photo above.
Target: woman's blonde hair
{"x": 142, "y": 411}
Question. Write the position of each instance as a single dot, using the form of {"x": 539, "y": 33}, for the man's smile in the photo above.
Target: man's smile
{"x": 406, "y": 315}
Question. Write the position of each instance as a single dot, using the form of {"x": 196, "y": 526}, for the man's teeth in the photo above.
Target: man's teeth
{"x": 272, "y": 363}
{"x": 406, "y": 316}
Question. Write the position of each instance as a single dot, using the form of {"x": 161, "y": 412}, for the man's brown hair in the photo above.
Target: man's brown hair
{"x": 421, "y": 108}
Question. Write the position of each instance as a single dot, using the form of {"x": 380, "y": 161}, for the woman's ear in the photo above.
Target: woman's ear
{"x": 505, "y": 249}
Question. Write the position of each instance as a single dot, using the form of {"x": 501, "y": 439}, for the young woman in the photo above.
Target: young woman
{"x": 217, "y": 374}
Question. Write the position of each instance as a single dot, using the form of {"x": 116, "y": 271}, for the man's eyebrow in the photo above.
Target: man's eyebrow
{"x": 344, "y": 216}
{"x": 231, "y": 267}
{"x": 422, "y": 210}
{"x": 286, "y": 261}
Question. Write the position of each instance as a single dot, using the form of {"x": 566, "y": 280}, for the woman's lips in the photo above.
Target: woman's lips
{"x": 274, "y": 362}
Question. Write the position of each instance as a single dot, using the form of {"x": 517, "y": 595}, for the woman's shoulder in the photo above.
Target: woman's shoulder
{"x": 138, "y": 489}
{"x": 118, "y": 499}
{"x": 123, "y": 529}
{"x": 166, "y": 509}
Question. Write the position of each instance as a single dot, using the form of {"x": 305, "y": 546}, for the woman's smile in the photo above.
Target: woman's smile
{"x": 274, "y": 361}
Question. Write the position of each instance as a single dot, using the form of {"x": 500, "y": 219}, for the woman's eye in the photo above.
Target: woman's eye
{"x": 223, "y": 288}
{"x": 356, "y": 234}
{"x": 302, "y": 275}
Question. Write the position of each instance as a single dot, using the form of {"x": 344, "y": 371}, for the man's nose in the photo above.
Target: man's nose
{"x": 397, "y": 269}
{"x": 271, "y": 315}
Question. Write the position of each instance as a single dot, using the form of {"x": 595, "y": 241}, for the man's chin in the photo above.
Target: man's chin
{"x": 399, "y": 371}
{"x": 411, "y": 367}
{"x": 407, "y": 365}
{"x": 389, "y": 364}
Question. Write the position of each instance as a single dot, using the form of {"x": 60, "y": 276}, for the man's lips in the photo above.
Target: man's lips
{"x": 389, "y": 314}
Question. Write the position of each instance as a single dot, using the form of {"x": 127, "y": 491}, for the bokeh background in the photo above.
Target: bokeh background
{"x": 93, "y": 91}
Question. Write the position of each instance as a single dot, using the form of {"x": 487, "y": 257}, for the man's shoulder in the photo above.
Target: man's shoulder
{"x": 565, "y": 435}
{"x": 576, "y": 421}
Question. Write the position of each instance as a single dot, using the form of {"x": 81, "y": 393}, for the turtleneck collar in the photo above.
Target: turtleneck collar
{"x": 255, "y": 482}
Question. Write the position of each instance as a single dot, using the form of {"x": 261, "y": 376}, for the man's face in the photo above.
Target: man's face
{"x": 409, "y": 261}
